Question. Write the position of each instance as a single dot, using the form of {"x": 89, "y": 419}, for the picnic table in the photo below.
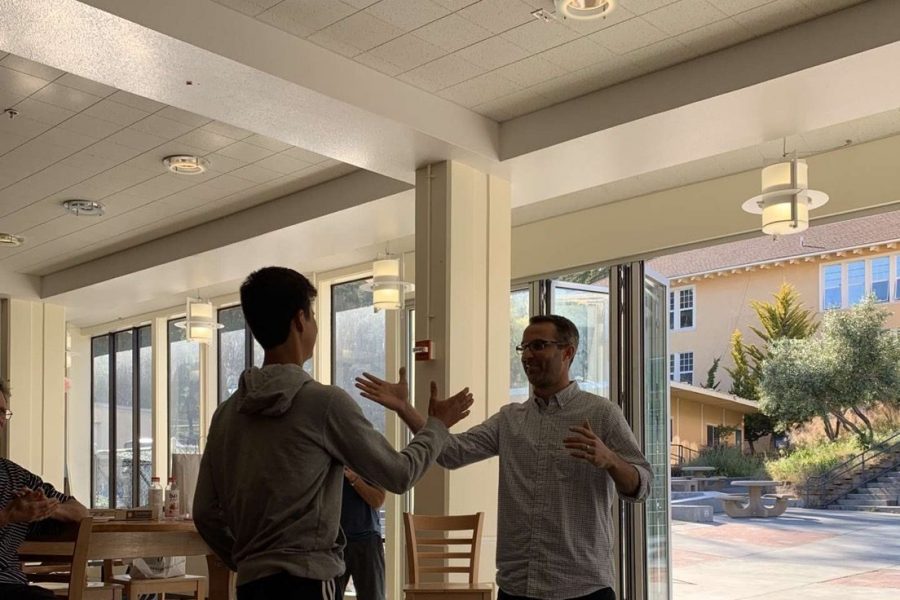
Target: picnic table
{"x": 752, "y": 504}
{"x": 693, "y": 471}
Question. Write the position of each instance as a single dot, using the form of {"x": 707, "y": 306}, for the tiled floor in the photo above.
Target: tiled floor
{"x": 802, "y": 555}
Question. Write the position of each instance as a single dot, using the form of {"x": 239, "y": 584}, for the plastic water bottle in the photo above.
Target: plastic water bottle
{"x": 173, "y": 503}
{"x": 157, "y": 499}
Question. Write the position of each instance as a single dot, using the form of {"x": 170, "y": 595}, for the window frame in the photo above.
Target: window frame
{"x": 112, "y": 413}
{"x": 893, "y": 278}
{"x": 202, "y": 415}
{"x": 248, "y": 349}
{"x": 675, "y": 310}
{"x": 675, "y": 367}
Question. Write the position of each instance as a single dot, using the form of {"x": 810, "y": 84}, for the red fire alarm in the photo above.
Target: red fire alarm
{"x": 422, "y": 350}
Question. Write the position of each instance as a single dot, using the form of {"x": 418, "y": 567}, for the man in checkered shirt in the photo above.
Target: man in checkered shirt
{"x": 24, "y": 501}
{"x": 565, "y": 455}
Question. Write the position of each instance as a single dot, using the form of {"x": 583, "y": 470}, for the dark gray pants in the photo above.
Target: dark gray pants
{"x": 16, "y": 591}
{"x": 365, "y": 563}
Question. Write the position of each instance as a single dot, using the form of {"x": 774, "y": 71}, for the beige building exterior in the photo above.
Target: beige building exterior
{"x": 831, "y": 266}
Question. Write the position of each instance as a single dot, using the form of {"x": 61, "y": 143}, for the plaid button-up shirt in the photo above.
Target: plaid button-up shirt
{"x": 555, "y": 527}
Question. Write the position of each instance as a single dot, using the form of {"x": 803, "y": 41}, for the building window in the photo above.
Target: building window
{"x": 238, "y": 351}
{"x": 681, "y": 367}
{"x": 832, "y": 297}
{"x": 184, "y": 392}
{"x": 712, "y": 435}
{"x": 739, "y": 438}
{"x": 897, "y": 279}
{"x": 121, "y": 418}
{"x": 881, "y": 278}
{"x": 681, "y": 308}
{"x": 357, "y": 344}
{"x": 856, "y": 282}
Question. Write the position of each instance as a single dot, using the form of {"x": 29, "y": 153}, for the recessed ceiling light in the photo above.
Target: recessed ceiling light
{"x": 10, "y": 240}
{"x": 584, "y": 9}
{"x": 185, "y": 164}
{"x": 84, "y": 208}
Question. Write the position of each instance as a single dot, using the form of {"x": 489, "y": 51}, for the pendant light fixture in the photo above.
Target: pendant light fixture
{"x": 786, "y": 199}
{"x": 583, "y": 10}
{"x": 199, "y": 323}
{"x": 386, "y": 286}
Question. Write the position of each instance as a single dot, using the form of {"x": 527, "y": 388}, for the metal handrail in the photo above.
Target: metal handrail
{"x": 681, "y": 452}
{"x": 855, "y": 466}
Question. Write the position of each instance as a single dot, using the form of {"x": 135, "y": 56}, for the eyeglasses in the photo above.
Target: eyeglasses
{"x": 6, "y": 414}
{"x": 539, "y": 345}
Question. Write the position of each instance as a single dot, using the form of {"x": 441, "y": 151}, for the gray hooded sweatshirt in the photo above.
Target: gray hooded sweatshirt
{"x": 268, "y": 496}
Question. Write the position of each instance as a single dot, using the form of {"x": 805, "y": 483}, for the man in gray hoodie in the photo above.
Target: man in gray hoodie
{"x": 268, "y": 498}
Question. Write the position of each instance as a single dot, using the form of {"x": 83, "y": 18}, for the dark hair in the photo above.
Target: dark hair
{"x": 270, "y": 298}
{"x": 565, "y": 329}
{"x": 4, "y": 388}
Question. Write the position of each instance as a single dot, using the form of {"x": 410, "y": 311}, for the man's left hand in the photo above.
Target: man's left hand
{"x": 584, "y": 444}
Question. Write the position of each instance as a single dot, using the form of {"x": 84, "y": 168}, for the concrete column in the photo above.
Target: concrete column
{"x": 463, "y": 232}
{"x": 37, "y": 371}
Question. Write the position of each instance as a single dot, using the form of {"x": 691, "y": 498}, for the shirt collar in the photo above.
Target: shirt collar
{"x": 560, "y": 398}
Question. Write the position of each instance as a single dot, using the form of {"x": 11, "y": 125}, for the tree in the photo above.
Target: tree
{"x": 849, "y": 365}
{"x": 745, "y": 385}
{"x": 711, "y": 382}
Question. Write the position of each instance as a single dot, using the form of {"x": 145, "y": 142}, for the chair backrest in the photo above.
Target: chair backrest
{"x": 430, "y": 542}
{"x": 67, "y": 544}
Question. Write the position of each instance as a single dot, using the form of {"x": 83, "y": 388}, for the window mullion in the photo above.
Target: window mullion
{"x": 135, "y": 417}
{"x": 111, "y": 454}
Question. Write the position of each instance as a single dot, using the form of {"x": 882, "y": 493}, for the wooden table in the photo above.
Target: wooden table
{"x": 448, "y": 591}
{"x": 695, "y": 470}
{"x": 735, "y": 505}
{"x": 137, "y": 539}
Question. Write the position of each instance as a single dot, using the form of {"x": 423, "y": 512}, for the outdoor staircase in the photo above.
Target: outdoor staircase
{"x": 880, "y": 495}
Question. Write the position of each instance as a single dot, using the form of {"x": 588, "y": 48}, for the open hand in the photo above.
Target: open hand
{"x": 29, "y": 506}
{"x": 394, "y": 396}
{"x": 585, "y": 445}
{"x": 452, "y": 410}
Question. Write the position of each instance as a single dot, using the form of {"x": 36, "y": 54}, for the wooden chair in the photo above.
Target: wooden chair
{"x": 429, "y": 548}
{"x": 188, "y": 585}
{"x": 66, "y": 552}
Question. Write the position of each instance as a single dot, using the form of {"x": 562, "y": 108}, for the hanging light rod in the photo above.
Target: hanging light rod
{"x": 786, "y": 199}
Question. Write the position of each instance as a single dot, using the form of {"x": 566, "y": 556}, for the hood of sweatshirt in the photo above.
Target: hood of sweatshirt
{"x": 270, "y": 390}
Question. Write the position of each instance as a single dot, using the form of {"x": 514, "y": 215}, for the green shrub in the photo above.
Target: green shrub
{"x": 812, "y": 459}
{"x": 729, "y": 461}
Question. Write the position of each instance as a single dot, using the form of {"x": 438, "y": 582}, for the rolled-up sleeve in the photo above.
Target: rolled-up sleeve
{"x": 621, "y": 440}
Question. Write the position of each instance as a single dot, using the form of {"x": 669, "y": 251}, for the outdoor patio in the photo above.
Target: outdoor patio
{"x": 801, "y": 555}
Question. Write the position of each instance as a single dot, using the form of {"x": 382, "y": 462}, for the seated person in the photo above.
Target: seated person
{"x": 24, "y": 501}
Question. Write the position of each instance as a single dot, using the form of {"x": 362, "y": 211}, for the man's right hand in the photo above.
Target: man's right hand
{"x": 29, "y": 506}
{"x": 452, "y": 410}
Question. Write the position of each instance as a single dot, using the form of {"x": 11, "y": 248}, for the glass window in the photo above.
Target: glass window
{"x": 856, "y": 282}
{"x": 519, "y": 313}
{"x": 588, "y": 308}
{"x": 671, "y": 310}
{"x": 832, "y": 287}
{"x": 122, "y": 418}
{"x": 357, "y": 344}
{"x": 686, "y": 367}
{"x": 672, "y": 367}
{"x": 897, "y": 282}
{"x": 184, "y": 392}
{"x": 881, "y": 275}
{"x": 681, "y": 308}
{"x": 232, "y": 350}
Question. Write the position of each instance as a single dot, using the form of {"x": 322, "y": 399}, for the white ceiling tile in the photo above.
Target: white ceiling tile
{"x": 245, "y": 152}
{"x": 577, "y": 54}
{"x": 115, "y": 112}
{"x": 29, "y": 216}
{"x": 305, "y": 155}
{"x": 256, "y": 174}
{"x": 498, "y": 15}
{"x": 43, "y": 112}
{"x": 162, "y": 127}
{"x": 8, "y": 141}
{"x": 628, "y": 36}
{"x": 492, "y": 53}
{"x": 515, "y": 104}
{"x": 30, "y": 158}
{"x": 325, "y": 40}
{"x": 183, "y": 116}
{"x": 89, "y": 162}
{"x": 588, "y": 26}
{"x": 661, "y": 55}
{"x": 379, "y": 64}
{"x": 774, "y": 16}
{"x": 228, "y": 184}
{"x": 479, "y": 90}
{"x": 823, "y": 7}
{"x": 530, "y": 71}
{"x": 639, "y": 7}
{"x": 360, "y": 4}
{"x": 135, "y": 101}
{"x": 248, "y": 7}
{"x": 65, "y": 97}
{"x": 733, "y": 7}
{"x": 407, "y": 51}
{"x": 220, "y": 128}
{"x": 136, "y": 139}
{"x": 204, "y": 140}
{"x": 407, "y": 14}
{"x": 31, "y": 189}
{"x": 359, "y": 31}
{"x": 455, "y": 5}
{"x": 538, "y": 36}
{"x": 684, "y": 15}
{"x": 90, "y": 126}
{"x": 267, "y": 142}
{"x": 23, "y": 65}
{"x": 304, "y": 17}
{"x": 22, "y": 126}
{"x": 67, "y": 138}
{"x": 452, "y": 33}
{"x": 85, "y": 85}
{"x": 443, "y": 72}
{"x": 283, "y": 164}
{"x": 15, "y": 85}
{"x": 715, "y": 36}
{"x": 162, "y": 185}
{"x": 219, "y": 163}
